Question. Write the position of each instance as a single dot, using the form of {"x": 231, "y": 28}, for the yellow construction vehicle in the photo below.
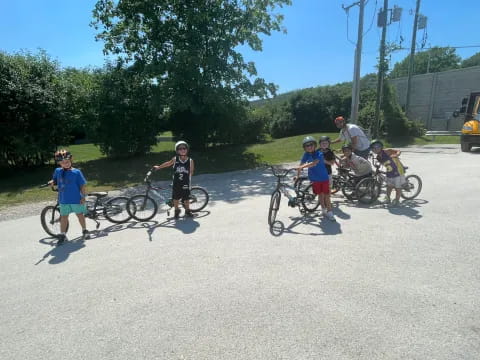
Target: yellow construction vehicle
{"x": 471, "y": 127}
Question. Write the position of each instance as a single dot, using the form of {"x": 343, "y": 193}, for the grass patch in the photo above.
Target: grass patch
{"x": 103, "y": 174}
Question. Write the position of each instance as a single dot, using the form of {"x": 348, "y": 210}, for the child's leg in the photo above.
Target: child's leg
{"x": 398, "y": 192}
{"x": 81, "y": 220}
{"x": 63, "y": 223}
{"x": 176, "y": 204}
{"x": 322, "y": 200}
{"x": 389, "y": 190}
{"x": 328, "y": 203}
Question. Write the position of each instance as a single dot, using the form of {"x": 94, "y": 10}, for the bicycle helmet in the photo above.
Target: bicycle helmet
{"x": 347, "y": 146}
{"x": 63, "y": 155}
{"x": 376, "y": 143}
{"x": 324, "y": 138}
{"x": 309, "y": 139}
{"x": 181, "y": 142}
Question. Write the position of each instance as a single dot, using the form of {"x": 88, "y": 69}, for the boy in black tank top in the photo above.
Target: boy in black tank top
{"x": 183, "y": 167}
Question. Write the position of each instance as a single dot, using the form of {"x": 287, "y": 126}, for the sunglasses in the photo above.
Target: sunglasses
{"x": 309, "y": 144}
{"x": 182, "y": 148}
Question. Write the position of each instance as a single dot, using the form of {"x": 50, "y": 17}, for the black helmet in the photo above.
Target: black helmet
{"x": 324, "y": 138}
{"x": 63, "y": 155}
{"x": 347, "y": 146}
{"x": 376, "y": 143}
{"x": 307, "y": 140}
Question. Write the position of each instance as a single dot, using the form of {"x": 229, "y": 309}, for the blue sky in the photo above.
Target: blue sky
{"x": 315, "y": 51}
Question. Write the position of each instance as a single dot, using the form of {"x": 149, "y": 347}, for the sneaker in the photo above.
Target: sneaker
{"x": 85, "y": 234}
{"x": 176, "y": 213}
{"x": 330, "y": 216}
{"x": 61, "y": 239}
{"x": 395, "y": 202}
{"x": 188, "y": 213}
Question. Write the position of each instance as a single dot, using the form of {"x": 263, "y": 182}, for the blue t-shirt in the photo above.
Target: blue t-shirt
{"x": 69, "y": 183}
{"x": 319, "y": 171}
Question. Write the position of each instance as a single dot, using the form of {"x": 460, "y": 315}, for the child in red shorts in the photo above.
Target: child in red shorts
{"x": 317, "y": 173}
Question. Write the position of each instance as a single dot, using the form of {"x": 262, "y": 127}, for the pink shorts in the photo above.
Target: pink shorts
{"x": 321, "y": 187}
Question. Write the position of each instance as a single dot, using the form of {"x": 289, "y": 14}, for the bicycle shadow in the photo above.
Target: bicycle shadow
{"x": 187, "y": 225}
{"x": 61, "y": 253}
{"x": 406, "y": 207}
{"x": 326, "y": 226}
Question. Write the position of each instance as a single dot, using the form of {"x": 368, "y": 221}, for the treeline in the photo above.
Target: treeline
{"x": 313, "y": 110}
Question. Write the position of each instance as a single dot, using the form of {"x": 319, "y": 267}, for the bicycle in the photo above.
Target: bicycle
{"x": 305, "y": 199}
{"x": 368, "y": 190}
{"x": 112, "y": 209}
{"x": 144, "y": 207}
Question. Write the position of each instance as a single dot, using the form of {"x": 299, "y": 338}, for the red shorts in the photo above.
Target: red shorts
{"x": 321, "y": 187}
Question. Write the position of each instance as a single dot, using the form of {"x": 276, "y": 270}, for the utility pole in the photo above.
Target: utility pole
{"x": 412, "y": 57}
{"x": 358, "y": 60}
{"x": 381, "y": 68}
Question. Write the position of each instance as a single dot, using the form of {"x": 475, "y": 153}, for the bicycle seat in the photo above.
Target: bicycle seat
{"x": 98, "y": 194}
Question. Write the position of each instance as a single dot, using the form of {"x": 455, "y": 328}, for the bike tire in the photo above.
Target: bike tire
{"x": 142, "y": 207}
{"x": 50, "y": 219}
{"x": 274, "y": 206}
{"x": 367, "y": 190}
{"x": 412, "y": 187}
{"x": 310, "y": 201}
{"x": 335, "y": 185}
{"x": 348, "y": 190}
{"x": 198, "y": 198}
{"x": 115, "y": 210}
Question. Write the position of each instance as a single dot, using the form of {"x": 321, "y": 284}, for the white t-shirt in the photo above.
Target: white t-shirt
{"x": 354, "y": 130}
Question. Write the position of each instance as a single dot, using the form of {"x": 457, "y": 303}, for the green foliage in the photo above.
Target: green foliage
{"x": 396, "y": 124}
{"x": 125, "y": 122}
{"x": 32, "y": 121}
{"x": 190, "y": 49}
{"x": 473, "y": 60}
{"x": 433, "y": 60}
{"x": 79, "y": 85}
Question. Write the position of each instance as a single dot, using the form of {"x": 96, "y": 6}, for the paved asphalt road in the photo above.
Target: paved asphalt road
{"x": 381, "y": 283}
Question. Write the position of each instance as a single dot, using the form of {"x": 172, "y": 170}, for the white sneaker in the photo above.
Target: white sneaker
{"x": 330, "y": 216}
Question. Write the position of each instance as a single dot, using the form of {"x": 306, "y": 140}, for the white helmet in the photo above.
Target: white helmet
{"x": 181, "y": 142}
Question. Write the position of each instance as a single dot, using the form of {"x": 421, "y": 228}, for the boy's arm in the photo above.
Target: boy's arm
{"x": 308, "y": 165}
{"x": 192, "y": 167}
{"x": 83, "y": 194}
{"x": 168, "y": 163}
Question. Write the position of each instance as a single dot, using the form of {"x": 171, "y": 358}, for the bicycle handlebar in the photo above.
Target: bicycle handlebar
{"x": 47, "y": 185}
{"x": 280, "y": 175}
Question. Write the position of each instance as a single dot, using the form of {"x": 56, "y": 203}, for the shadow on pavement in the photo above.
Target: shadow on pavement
{"x": 325, "y": 226}
{"x": 406, "y": 207}
{"x": 61, "y": 252}
{"x": 185, "y": 224}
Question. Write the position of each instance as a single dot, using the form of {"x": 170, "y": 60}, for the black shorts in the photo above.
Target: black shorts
{"x": 180, "y": 193}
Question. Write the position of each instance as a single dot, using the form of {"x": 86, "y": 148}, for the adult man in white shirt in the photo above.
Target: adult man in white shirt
{"x": 353, "y": 135}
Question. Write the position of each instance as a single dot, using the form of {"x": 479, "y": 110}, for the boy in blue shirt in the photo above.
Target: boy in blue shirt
{"x": 71, "y": 193}
{"x": 313, "y": 160}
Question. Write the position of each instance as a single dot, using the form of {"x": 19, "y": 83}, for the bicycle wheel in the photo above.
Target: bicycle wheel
{"x": 115, "y": 210}
{"x": 301, "y": 183}
{"x": 348, "y": 189}
{"x": 335, "y": 184}
{"x": 310, "y": 201}
{"x": 274, "y": 206}
{"x": 367, "y": 190}
{"x": 50, "y": 219}
{"x": 412, "y": 187}
{"x": 198, "y": 198}
{"x": 142, "y": 207}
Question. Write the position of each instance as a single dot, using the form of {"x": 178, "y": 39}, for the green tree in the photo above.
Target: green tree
{"x": 473, "y": 60}
{"x": 125, "y": 122}
{"x": 32, "y": 121}
{"x": 190, "y": 49}
{"x": 433, "y": 60}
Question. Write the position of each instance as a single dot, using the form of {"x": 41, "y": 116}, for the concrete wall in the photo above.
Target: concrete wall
{"x": 435, "y": 96}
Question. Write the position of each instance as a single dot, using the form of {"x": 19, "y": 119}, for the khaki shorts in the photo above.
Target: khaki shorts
{"x": 397, "y": 182}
